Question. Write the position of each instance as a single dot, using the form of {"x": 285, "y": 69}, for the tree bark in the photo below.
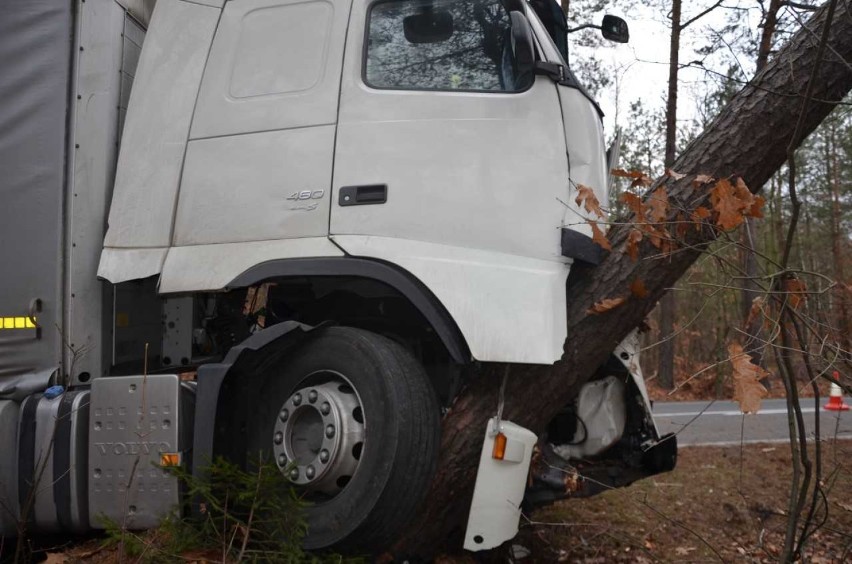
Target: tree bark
{"x": 754, "y": 330}
{"x": 749, "y": 138}
{"x": 665, "y": 374}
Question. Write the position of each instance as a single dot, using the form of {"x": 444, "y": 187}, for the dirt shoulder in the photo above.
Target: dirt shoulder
{"x": 720, "y": 503}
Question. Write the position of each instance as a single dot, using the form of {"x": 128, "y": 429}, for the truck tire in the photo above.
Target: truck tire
{"x": 353, "y": 419}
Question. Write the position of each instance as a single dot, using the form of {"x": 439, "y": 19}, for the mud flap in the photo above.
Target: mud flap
{"x": 500, "y": 485}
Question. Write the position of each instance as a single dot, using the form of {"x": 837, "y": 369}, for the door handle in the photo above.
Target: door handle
{"x": 363, "y": 195}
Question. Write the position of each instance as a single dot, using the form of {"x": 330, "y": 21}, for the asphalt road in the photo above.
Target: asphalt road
{"x": 721, "y": 422}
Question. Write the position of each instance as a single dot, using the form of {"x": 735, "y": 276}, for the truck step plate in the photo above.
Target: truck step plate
{"x": 134, "y": 419}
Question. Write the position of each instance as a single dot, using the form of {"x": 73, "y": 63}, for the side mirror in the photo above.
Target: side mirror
{"x": 523, "y": 49}
{"x": 615, "y": 29}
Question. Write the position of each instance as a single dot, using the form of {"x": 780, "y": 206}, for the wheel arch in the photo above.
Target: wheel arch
{"x": 407, "y": 285}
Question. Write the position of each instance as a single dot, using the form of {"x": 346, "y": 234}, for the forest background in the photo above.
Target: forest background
{"x": 720, "y": 47}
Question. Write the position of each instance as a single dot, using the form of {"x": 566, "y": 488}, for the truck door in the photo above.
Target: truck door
{"x": 438, "y": 140}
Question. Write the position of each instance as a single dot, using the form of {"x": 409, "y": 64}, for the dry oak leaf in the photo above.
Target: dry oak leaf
{"x": 756, "y": 309}
{"x": 748, "y": 391}
{"x": 638, "y": 289}
{"x": 702, "y": 179}
{"x": 681, "y": 226}
{"x": 605, "y": 305}
{"x": 658, "y": 205}
{"x": 725, "y": 200}
{"x": 639, "y": 178}
{"x": 598, "y": 236}
{"x": 674, "y": 175}
{"x": 795, "y": 290}
{"x": 632, "y": 245}
{"x": 634, "y": 202}
{"x": 586, "y": 199}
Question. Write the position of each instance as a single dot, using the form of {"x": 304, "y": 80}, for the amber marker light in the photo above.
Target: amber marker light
{"x": 170, "y": 459}
{"x": 499, "y": 450}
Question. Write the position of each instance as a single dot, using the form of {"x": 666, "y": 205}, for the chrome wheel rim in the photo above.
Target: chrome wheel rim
{"x": 319, "y": 434}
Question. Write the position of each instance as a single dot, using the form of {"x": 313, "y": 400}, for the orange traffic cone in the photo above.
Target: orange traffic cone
{"x": 835, "y": 397}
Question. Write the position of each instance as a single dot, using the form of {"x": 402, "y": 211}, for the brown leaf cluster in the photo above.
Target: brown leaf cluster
{"x": 587, "y": 200}
{"x": 734, "y": 202}
{"x": 638, "y": 177}
{"x": 796, "y": 292}
{"x": 649, "y": 221}
{"x": 748, "y": 391}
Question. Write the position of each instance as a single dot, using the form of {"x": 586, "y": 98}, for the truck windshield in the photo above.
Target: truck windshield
{"x": 440, "y": 45}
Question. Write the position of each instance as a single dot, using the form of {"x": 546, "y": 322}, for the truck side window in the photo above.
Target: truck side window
{"x": 440, "y": 45}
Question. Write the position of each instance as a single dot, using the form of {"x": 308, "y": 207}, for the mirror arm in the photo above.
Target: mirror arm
{"x": 584, "y": 26}
{"x": 553, "y": 70}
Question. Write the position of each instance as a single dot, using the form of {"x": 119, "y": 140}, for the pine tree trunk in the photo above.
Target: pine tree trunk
{"x": 665, "y": 374}
{"x": 749, "y": 138}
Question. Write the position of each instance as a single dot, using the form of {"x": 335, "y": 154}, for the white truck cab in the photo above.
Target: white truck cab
{"x": 329, "y": 212}
{"x": 273, "y": 130}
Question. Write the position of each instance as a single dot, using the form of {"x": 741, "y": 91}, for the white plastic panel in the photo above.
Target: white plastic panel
{"x": 500, "y": 484}
{"x": 509, "y": 308}
{"x": 212, "y": 267}
{"x": 275, "y": 64}
{"x": 157, "y": 126}
{"x": 120, "y": 265}
{"x": 586, "y": 153}
{"x": 255, "y": 187}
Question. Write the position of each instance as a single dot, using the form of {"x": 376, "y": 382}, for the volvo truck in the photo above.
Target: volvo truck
{"x": 293, "y": 227}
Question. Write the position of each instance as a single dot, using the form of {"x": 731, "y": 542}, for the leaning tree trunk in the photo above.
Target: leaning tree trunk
{"x": 749, "y": 139}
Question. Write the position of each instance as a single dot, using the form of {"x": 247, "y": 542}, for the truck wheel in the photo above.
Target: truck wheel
{"x": 352, "y": 418}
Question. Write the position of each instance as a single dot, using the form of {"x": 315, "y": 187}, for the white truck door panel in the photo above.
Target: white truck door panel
{"x": 474, "y": 169}
{"x": 275, "y": 64}
{"x": 272, "y": 185}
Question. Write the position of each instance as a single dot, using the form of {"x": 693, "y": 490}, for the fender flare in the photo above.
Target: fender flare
{"x": 394, "y": 276}
{"x": 211, "y": 377}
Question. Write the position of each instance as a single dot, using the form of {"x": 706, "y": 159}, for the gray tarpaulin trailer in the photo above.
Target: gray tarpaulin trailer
{"x": 65, "y": 79}
{"x": 64, "y": 95}
{"x": 329, "y": 212}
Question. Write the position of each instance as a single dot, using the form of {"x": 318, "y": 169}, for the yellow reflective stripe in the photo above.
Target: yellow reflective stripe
{"x": 16, "y": 323}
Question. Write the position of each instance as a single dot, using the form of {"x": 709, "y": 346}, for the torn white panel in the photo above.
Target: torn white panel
{"x": 601, "y": 414}
{"x": 211, "y": 267}
{"x": 509, "y": 308}
{"x": 628, "y": 352}
{"x": 120, "y": 265}
{"x": 500, "y": 485}
{"x": 157, "y": 126}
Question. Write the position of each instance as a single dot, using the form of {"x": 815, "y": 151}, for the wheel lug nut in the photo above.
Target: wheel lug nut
{"x": 323, "y": 456}
{"x": 294, "y": 474}
{"x": 309, "y": 472}
{"x": 284, "y": 416}
{"x": 329, "y": 431}
{"x": 279, "y": 438}
{"x": 312, "y": 396}
{"x": 297, "y": 399}
{"x": 282, "y": 460}
{"x": 325, "y": 408}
